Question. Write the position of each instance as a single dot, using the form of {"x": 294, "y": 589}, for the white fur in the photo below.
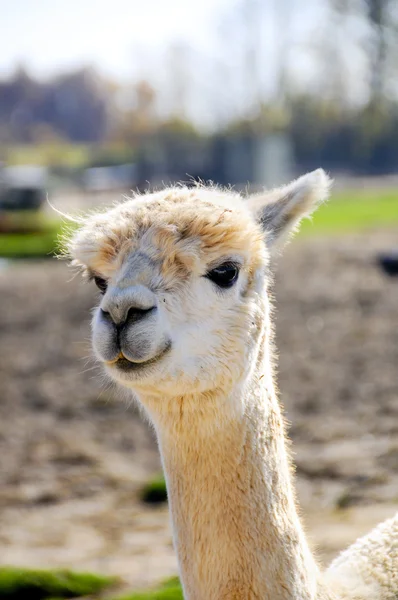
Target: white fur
{"x": 211, "y": 396}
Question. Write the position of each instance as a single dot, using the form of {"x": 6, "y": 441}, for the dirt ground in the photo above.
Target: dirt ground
{"x": 73, "y": 458}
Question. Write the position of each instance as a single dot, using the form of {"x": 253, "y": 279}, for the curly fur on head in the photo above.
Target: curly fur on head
{"x": 181, "y": 224}
{"x": 277, "y": 212}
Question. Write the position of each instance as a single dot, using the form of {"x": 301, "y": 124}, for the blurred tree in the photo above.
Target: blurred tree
{"x": 377, "y": 13}
{"x": 379, "y": 42}
{"x": 138, "y": 120}
{"x": 179, "y": 127}
{"x": 73, "y": 105}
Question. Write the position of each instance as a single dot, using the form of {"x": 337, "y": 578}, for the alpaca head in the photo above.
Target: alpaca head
{"x": 183, "y": 275}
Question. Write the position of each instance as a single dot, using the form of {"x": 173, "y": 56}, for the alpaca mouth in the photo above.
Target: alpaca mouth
{"x": 127, "y": 366}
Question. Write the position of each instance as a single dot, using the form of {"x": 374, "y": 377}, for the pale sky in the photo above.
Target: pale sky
{"x": 130, "y": 39}
{"x": 52, "y": 35}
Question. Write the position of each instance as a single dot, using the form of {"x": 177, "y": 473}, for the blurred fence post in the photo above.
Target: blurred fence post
{"x": 273, "y": 161}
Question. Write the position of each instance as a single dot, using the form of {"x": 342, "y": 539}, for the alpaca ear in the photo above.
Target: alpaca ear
{"x": 280, "y": 211}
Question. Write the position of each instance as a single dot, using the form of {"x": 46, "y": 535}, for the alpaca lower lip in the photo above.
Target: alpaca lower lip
{"x": 123, "y": 364}
{"x": 126, "y": 365}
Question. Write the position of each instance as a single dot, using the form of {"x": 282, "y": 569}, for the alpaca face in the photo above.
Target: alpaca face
{"x": 180, "y": 277}
{"x": 183, "y": 276}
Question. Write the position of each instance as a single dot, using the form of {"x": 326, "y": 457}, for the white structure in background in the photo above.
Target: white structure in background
{"x": 117, "y": 177}
{"x": 259, "y": 160}
{"x": 273, "y": 160}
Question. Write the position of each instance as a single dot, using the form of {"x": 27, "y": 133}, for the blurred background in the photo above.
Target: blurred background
{"x": 98, "y": 99}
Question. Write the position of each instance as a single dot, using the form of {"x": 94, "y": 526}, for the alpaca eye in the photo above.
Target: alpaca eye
{"x": 224, "y": 276}
{"x": 101, "y": 284}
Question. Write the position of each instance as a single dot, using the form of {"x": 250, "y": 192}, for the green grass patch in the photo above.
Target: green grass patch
{"x": 354, "y": 211}
{"x": 32, "y": 584}
{"x": 65, "y": 154}
{"x": 40, "y": 244}
{"x": 28, "y": 235}
{"x": 169, "y": 590}
{"x": 40, "y": 584}
{"x": 32, "y": 245}
{"x": 155, "y": 492}
{"x": 50, "y": 154}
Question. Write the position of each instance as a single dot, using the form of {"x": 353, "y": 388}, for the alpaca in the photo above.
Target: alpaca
{"x": 184, "y": 324}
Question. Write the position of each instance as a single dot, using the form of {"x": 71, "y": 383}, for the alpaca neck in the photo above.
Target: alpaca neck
{"x": 237, "y": 532}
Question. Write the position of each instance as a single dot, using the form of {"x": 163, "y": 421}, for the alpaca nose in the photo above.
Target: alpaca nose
{"x": 124, "y": 307}
{"x": 134, "y": 314}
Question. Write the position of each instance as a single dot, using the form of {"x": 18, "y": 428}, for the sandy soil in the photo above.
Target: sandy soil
{"x": 73, "y": 458}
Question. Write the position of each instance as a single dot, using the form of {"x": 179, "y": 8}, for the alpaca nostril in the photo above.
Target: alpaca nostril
{"x": 106, "y": 315}
{"x": 134, "y": 314}
{"x": 137, "y": 314}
